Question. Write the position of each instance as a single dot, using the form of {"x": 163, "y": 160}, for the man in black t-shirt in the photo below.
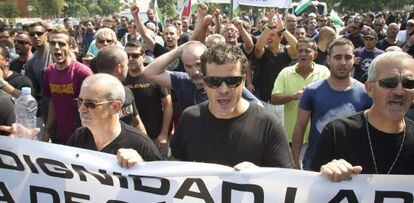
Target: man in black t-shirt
{"x": 23, "y": 46}
{"x": 227, "y": 129}
{"x": 379, "y": 140}
{"x": 153, "y": 102}
{"x": 100, "y": 101}
{"x": 11, "y": 82}
{"x": 114, "y": 60}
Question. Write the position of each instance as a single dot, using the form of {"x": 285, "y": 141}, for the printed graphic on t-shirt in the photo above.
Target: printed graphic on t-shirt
{"x": 340, "y": 111}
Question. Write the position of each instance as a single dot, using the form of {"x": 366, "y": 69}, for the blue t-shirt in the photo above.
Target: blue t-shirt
{"x": 327, "y": 104}
{"x": 189, "y": 95}
{"x": 361, "y": 70}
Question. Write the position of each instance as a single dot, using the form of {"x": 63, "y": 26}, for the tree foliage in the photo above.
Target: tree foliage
{"x": 109, "y": 6}
{"x": 8, "y": 9}
{"x": 372, "y": 5}
{"x": 48, "y": 8}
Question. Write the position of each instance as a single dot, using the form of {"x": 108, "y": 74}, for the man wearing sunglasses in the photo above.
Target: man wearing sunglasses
{"x": 11, "y": 82}
{"x": 379, "y": 140}
{"x": 23, "y": 46}
{"x": 99, "y": 103}
{"x": 237, "y": 130}
{"x": 153, "y": 102}
{"x": 62, "y": 82}
{"x": 324, "y": 100}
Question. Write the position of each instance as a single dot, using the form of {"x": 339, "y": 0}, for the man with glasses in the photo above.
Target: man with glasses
{"x": 391, "y": 38}
{"x": 403, "y": 35}
{"x": 11, "y": 82}
{"x": 153, "y": 102}
{"x": 379, "y": 28}
{"x": 62, "y": 82}
{"x": 23, "y": 46}
{"x": 237, "y": 130}
{"x": 346, "y": 96}
{"x": 365, "y": 55}
{"x": 379, "y": 140}
{"x": 99, "y": 103}
{"x": 6, "y": 39}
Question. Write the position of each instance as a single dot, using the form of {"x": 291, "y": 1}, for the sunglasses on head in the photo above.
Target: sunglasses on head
{"x": 134, "y": 55}
{"x": 108, "y": 41}
{"x": 231, "y": 81}
{"x": 38, "y": 33}
{"x": 389, "y": 83}
{"x": 61, "y": 44}
{"x": 89, "y": 104}
{"x": 22, "y": 42}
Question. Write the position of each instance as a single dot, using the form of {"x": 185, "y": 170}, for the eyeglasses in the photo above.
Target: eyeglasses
{"x": 134, "y": 55}
{"x": 21, "y": 42}
{"x": 38, "y": 33}
{"x": 410, "y": 24}
{"x": 90, "y": 104}
{"x": 108, "y": 41}
{"x": 215, "y": 82}
{"x": 389, "y": 83}
{"x": 49, "y": 30}
{"x": 61, "y": 44}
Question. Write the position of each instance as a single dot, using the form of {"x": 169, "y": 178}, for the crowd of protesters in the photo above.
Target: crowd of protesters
{"x": 128, "y": 87}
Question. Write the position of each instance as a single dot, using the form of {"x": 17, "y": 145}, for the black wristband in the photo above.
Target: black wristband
{"x": 271, "y": 27}
{"x": 284, "y": 29}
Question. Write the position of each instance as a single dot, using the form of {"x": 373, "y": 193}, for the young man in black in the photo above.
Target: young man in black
{"x": 153, "y": 102}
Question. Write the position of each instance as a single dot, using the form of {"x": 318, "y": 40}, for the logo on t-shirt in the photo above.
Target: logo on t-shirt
{"x": 365, "y": 64}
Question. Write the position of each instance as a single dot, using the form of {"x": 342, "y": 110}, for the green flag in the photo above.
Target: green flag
{"x": 302, "y": 6}
{"x": 336, "y": 19}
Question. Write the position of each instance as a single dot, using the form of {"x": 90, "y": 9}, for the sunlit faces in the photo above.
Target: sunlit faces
{"x": 392, "y": 103}
{"x": 306, "y": 54}
{"x": 224, "y": 101}
{"x": 104, "y": 40}
{"x": 38, "y": 36}
{"x": 171, "y": 36}
{"x": 231, "y": 34}
{"x": 94, "y": 117}
{"x": 59, "y": 48}
{"x": 341, "y": 61}
{"x": 300, "y": 33}
{"x": 136, "y": 57}
{"x": 22, "y": 44}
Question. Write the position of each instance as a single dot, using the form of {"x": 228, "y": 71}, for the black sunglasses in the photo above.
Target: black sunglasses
{"x": 22, "y": 42}
{"x": 135, "y": 55}
{"x": 108, "y": 41}
{"x": 38, "y": 33}
{"x": 231, "y": 81}
{"x": 89, "y": 104}
{"x": 61, "y": 44}
{"x": 407, "y": 83}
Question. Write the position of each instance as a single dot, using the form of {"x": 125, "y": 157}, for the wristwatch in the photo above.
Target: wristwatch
{"x": 2, "y": 83}
{"x": 284, "y": 29}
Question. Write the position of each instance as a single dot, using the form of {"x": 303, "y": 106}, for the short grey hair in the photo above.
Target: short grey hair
{"x": 111, "y": 88}
{"x": 399, "y": 56}
{"x": 215, "y": 39}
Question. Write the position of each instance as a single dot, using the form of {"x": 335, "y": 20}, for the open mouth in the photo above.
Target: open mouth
{"x": 223, "y": 103}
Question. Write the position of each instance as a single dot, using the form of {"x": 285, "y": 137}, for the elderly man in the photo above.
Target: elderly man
{"x": 381, "y": 137}
{"x": 237, "y": 130}
{"x": 100, "y": 101}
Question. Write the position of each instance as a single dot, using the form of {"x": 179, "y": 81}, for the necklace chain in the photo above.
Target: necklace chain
{"x": 372, "y": 151}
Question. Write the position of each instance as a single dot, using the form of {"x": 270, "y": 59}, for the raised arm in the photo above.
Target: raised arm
{"x": 247, "y": 39}
{"x": 156, "y": 70}
{"x": 200, "y": 27}
{"x": 149, "y": 41}
{"x": 260, "y": 44}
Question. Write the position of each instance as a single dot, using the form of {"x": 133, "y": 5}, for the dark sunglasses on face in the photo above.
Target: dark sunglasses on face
{"x": 22, "y": 42}
{"x": 38, "y": 33}
{"x": 134, "y": 55}
{"x": 389, "y": 83}
{"x": 410, "y": 24}
{"x": 89, "y": 104}
{"x": 231, "y": 81}
{"x": 108, "y": 41}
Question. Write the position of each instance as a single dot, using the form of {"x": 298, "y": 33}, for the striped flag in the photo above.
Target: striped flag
{"x": 302, "y": 6}
{"x": 158, "y": 14}
{"x": 235, "y": 8}
{"x": 186, "y": 10}
{"x": 336, "y": 19}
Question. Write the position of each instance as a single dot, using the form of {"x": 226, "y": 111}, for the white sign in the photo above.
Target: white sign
{"x": 257, "y": 3}
{"x": 32, "y": 171}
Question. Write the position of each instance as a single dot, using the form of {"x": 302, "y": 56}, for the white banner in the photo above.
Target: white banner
{"x": 32, "y": 171}
{"x": 257, "y": 3}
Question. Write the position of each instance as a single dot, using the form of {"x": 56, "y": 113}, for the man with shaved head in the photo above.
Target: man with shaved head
{"x": 99, "y": 104}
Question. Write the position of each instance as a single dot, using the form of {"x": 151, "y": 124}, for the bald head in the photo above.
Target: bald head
{"x": 105, "y": 86}
{"x": 390, "y": 61}
{"x": 109, "y": 57}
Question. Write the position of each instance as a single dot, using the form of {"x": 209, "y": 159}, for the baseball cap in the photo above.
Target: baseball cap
{"x": 371, "y": 34}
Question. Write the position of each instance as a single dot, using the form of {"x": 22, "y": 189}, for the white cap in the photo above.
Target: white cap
{"x": 26, "y": 90}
